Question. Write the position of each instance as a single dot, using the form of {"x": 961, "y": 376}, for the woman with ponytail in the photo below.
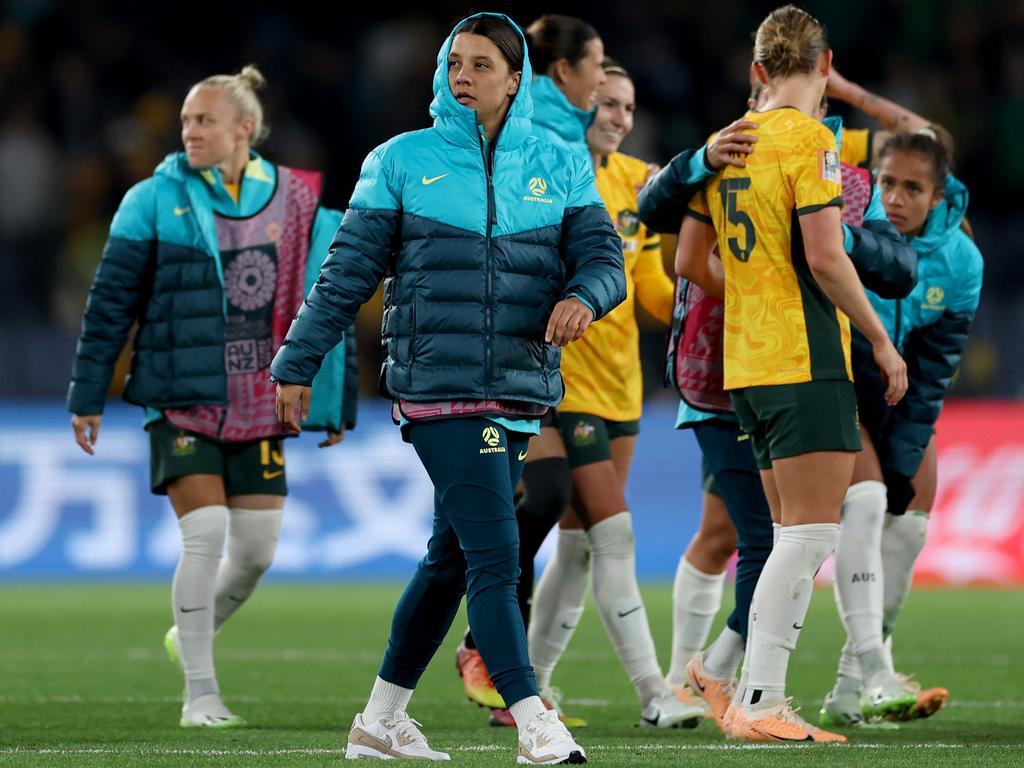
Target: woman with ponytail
{"x": 211, "y": 257}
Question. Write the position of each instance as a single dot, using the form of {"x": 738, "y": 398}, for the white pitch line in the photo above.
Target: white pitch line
{"x": 143, "y": 751}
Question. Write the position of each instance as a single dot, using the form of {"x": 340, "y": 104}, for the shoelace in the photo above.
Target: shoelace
{"x": 908, "y": 682}
{"x": 549, "y": 720}
{"x": 408, "y": 728}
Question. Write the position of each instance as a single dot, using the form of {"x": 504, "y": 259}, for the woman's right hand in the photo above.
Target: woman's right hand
{"x": 83, "y": 424}
{"x": 894, "y": 371}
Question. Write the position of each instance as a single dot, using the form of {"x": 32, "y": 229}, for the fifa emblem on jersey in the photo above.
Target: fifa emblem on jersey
{"x": 183, "y": 445}
{"x": 934, "y": 295}
{"x": 538, "y": 187}
{"x": 492, "y": 438}
{"x": 829, "y": 166}
{"x": 583, "y": 433}
{"x": 628, "y": 223}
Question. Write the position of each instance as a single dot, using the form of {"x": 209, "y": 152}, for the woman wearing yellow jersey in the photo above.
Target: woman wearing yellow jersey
{"x": 790, "y": 294}
{"x": 599, "y": 422}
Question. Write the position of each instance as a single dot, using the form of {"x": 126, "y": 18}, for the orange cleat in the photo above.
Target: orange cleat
{"x": 502, "y": 718}
{"x": 475, "y": 679}
{"x": 717, "y": 694}
{"x": 929, "y": 700}
{"x": 780, "y": 723}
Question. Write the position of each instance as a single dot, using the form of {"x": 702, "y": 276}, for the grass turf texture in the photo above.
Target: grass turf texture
{"x": 84, "y": 681}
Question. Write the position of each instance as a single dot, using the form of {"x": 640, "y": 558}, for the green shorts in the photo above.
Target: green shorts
{"x": 790, "y": 419}
{"x": 255, "y": 467}
{"x": 588, "y": 437}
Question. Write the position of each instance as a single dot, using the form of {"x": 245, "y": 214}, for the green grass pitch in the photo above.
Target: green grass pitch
{"x": 84, "y": 682}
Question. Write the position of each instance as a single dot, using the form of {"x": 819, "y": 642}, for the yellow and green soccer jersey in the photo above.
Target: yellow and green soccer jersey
{"x": 602, "y": 370}
{"x": 780, "y": 328}
{"x": 856, "y": 147}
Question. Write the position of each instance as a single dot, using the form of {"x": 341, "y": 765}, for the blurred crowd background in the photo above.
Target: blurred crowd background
{"x": 91, "y": 93}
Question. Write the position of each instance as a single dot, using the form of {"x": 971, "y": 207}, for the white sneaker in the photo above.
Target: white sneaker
{"x": 545, "y": 740}
{"x": 669, "y": 712}
{"x": 209, "y": 712}
{"x": 391, "y": 738}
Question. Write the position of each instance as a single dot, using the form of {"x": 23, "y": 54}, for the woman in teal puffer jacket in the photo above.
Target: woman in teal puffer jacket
{"x": 495, "y": 250}
{"x": 211, "y": 257}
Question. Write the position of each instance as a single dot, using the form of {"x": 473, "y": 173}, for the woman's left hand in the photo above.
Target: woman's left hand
{"x": 569, "y": 320}
{"x": 292, "y": 398}
{"x": 333, "y": 438}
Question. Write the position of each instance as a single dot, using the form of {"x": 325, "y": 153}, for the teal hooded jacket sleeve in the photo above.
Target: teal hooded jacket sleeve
{"x": 336, "y": 386}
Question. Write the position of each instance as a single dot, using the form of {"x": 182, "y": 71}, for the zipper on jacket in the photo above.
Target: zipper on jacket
{"x": 487, "y": 152}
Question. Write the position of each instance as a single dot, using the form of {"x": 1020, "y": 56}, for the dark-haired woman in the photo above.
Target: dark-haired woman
{"x": 895, "y": 477}
{"x": 495, "y": 250}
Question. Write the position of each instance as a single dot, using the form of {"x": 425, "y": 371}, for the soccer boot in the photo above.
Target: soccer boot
{"x": 669, "y": 712}
{"x": 391, "y": 738}
{"x": 928, "y": 700}
{"x": 545, "y": 740}
{"x": 172, "y": 644}
{"x": 502, "y": 718}
{"x": 475, "y": 680}
{"x": 209, "y": 712}
{"x": 885, "y": 696}
{"x": 717, "y": 694}
{"x": 686, "y": 695}
{"x": 841, "y": 709}
{"x": 778, "y": 723}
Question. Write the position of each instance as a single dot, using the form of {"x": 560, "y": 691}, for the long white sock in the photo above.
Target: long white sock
{"x": 202, "y": 542}
{"x": 849, "y": 666}
{"x": 558, "y": 603}
{"x": 617, "y": 595}
{"x": 778, "y": 610}
{"x": 524, "y": 710}
{"x": 858, "y": 579}
{"x": 696, "y": 598}
{"x": 724, "y": 655}
{"x": 745, "y": 673}
{"x": 385, "y": 699}
{"x": 252, "y": 540}
{"x": 902, "y": 541}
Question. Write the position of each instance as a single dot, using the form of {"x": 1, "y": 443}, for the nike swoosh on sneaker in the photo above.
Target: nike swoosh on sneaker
{"x": 652, "y": 721}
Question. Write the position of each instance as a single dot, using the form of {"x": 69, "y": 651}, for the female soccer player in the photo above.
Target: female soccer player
{"x": 894, "y": 479}
{"x": 566, "y": 54}
{"x": 496, "y": 250}
{"x": 599, "y": 422}
{"x": 211, "y": 256}
{"x": 789, "y": 289}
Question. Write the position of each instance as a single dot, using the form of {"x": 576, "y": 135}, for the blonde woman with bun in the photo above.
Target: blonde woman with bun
{"x": 790, "y": 293}
{"x": 211, "y": 257}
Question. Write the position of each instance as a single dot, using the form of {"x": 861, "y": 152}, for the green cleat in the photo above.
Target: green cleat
{"x": 209, "y": 712}
{"x": 843, "y": 710}
{"x": 173, "y": 646}
{"x": 885, "y": 697}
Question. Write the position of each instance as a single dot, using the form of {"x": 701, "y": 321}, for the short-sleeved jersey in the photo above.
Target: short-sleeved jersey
{"x": 855, "y": 148}
{"x": 602, "y": 370}
{"x": 780, "y": 327}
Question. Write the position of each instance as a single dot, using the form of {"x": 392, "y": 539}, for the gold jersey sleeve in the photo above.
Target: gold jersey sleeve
{"x": 602, "y": 370}
{"x": 780, "y": 328}
{"x": 856, "y": 146}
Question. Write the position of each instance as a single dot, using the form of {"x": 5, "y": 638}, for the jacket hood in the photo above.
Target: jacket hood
{"x": 457, "y": 122}
{"x": 557, "y": 115}
{"x": 945, "y": 219}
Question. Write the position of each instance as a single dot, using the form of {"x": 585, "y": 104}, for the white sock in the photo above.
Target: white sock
{"x": 778, "y": 610}
{"x": 858, "y": 578}
{"x": 385, "y": 699}
{"x": 524, "y": 710}
{"x": 202, "y": 542}
{"x": 849, "y": 666}
{"x": 776, "y": 530}
{"x": 558, "y": 603}
{"x": 696, "y": 598}
{"x": 724, "y": 655}
{"x": 902, "y": 541}
{"x": 252, "y": 540}
{"x": 617, "y": 595}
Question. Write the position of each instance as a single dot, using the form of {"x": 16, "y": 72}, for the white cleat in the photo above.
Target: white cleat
{"x": 209, "y": 712}
{"x": 390, "y": 738}
{"x": 885, "y": 696}
{"x": 545, "y": 740}
{"x": 669, "y": 712}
